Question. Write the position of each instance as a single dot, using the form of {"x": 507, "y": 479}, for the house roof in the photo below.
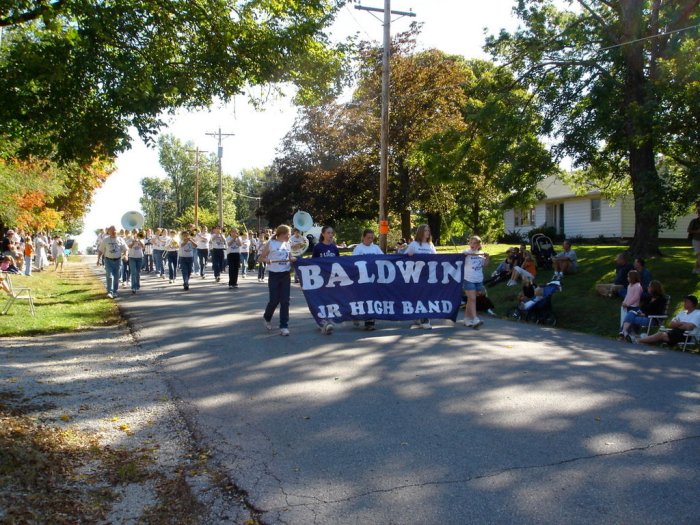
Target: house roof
{"x": 555, "y": 189}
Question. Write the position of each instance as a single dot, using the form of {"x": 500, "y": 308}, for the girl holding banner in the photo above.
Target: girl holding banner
{"x": 422, "y": 244}
{"x": 277, "y": 255}
{"x": 475, "y": 262}
{"x": 326, "y": 248}
{"x": 367, "y": 247}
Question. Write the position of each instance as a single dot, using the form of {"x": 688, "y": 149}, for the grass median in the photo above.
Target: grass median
{"x": 578, "y": 307}
{"x": 72, "y": 300}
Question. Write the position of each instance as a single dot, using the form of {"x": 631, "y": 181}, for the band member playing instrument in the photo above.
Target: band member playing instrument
{"x": 160, "y": 243}
{"x": 326, "y": 248}
{"x": 171, "y": 250}
{"x": 233, "y": 256}
{"x": 244, "y": 254}
{"x": 137, "y": 247}
{"x": 367, "y": 247}
{"x": 218, "y": 251}
{"x": 276, "y": 253}
{"x": 422, "y": 244}
{"x": 186, "y": 257}
{"x": 203, "y": 238}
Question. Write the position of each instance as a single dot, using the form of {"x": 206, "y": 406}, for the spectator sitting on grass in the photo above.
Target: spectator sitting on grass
{"x": 688, "y": 319}
{"x": 526, "y": 271}
{"x": 503, "y": 271}
{"x": 7, "y": 265}
{"x": 565, "y": 262}
{"x": 655, "y": 305}
{"x": 622, "y": 268}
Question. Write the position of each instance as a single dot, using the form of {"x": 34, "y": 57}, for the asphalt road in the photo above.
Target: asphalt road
{"x": 509, "y": 424}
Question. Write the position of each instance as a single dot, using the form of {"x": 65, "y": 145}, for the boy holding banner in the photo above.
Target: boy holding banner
{"x": 326, "y": 248}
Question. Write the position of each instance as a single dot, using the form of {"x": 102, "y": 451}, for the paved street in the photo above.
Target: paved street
{"x": 509, "y": 424}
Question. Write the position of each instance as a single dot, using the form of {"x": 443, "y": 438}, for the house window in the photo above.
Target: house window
{"x": 595, "y": 210}
{"x": 525, "y": 217}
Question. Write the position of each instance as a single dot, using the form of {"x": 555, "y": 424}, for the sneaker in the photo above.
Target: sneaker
{"x": 268, "y": 324}
{"x": 468, "y": 322}
{"x": 170, "y": 281}
{"x": 491, "y": 312}
{"x": 284, "y": 332}
{"x": 218, "y": 279}
{"x": 327, "y": 328}
{"x": 133, "y": 291}
{"x": 477, "y": 322}
{"x": 426, "y": 326}
{"x": 110, "y": 295}
{"x": 186, "y": 286}
{"x": 511, "y": 283}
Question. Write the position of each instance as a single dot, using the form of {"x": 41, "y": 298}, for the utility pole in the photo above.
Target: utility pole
{"x": 384, "y": 143}
{"x": 219, "y": 154}
{"x": 196, "y": 183}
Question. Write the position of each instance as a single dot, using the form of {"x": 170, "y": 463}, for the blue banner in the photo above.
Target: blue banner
{"x": 390, "y": 287}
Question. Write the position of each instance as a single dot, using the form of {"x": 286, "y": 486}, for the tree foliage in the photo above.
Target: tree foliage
{"x": 617, "y": 81}
{"x": 75, "y": 76}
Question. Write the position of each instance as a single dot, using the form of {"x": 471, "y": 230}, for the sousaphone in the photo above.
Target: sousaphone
{"x": 131, "y": 220}
{"x": 303, "y": 222}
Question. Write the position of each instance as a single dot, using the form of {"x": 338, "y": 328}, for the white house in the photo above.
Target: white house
{"x": 589, "y": 216}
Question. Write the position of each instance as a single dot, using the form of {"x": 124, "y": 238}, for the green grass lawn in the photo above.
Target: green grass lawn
{"x": 578, "y": 307}
{"x": 73, "y": 300}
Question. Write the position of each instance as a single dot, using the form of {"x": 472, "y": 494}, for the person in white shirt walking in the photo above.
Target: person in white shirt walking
{"x": 171, "y": 250}
{"x": 185, "y": 256}
{"x": 422, "y": 244}
{"x": 203, "y": 238}
{"x": 277, "y": 255}
{"x": 233, "y": 257}
{"x": 218, "y": 252}
{"x": 136, "y": 251}
{"x": 244, "y": 254}
{"x": 367, "y": 247}
{"x": 112, "y": 249}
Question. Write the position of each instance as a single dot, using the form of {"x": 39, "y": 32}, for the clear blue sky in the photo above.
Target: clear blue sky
{"x": 454, "y": 26}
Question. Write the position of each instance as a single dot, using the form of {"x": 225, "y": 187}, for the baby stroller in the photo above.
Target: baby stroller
{"x": 542, "y": 249}
{"x": 538, "y": 308}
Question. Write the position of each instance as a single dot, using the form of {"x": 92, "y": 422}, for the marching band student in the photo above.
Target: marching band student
{"x": 367, "y": 247}
{"x": 148, "y": 251}
{"x": 233, "y": 242}
{"x": 261, "y": 264}
{"x": 244, "y": 254}
{"x": 186, "y": 257}
{"x": 126, "y": 272}
{"x": 277, "y": 255}
{"x": 218, "y": 250}
{"x": 171, "y": 250}
{"x": 474, "y": 264}
{"x": 111, "y": 249}
{"x": 326, "y": 248}
{"x": 422, "y": 244}
{"x": 203, "y": 239}
{"x": 160, "y": 242}
{"x": 136, "y": 251}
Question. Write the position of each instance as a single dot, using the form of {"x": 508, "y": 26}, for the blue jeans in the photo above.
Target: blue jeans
{"x": 195, "y": 262}
{"x": 112, "y": 269}
{"x": 217, "y": 261}
{"x": 125, "y": 271}
{"x": 202, "y": 255}
{"x": 27, "y": 265}
{"x": 158, "y": 260}
{"x": 172, "y": 265}
{"x": 639, "y": 320}
{"x": 261, "y": 270}
{"x": 135, "y": 269}
{"x": 186, "y": 264}
{"x": 279, "y": 284}
{"x": 244, "y": 263}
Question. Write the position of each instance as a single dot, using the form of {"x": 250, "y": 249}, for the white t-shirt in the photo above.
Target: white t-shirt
{"x": 692, "y": 317}
{"x": 202, "y": 240}
{"x": 245, "y": 245}
{"x": 172, "y": 245}
{"x": 218, "y": 241}
{"x": 186, "y": 249}
{"x": 232, "y": 244}
{"x": 113, "y": 247}
{"x": 278, "y": 251}
{"x": 160, "y": 242}
{"x": 135, "y": 248}
{"x": 420, "y": 247}
{"x": 363, "y": 249}
{"x": 474, "y": 266}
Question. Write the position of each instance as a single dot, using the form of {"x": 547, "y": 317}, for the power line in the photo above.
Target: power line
{"x": 648, "y": 38}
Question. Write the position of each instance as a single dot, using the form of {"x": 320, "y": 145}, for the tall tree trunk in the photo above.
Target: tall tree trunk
{"x": 406, "y": 223}
{"x": 435, "y": 223}
{"x": 476, "y": 216}
{"x": 640, "y": 110}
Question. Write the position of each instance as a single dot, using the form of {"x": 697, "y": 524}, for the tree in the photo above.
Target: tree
{"x": 492, "y": 158}
{"x": 75, "y": 76}
{"x": 617, "y": 80}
